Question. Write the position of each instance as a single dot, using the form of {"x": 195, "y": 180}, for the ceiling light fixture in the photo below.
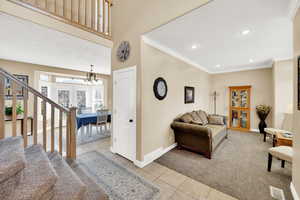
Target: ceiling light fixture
{"x": 245, "y": 32}
{"x": 218, "y": 66}
{"x": 91, "y": 76}
{"x": 251, "y": 60}
{"x": 194, "y": 46}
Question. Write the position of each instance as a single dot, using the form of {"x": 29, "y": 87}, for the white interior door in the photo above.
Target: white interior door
{"x": 124, "y": 112}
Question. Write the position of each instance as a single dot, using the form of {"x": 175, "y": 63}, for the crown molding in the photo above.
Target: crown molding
{"x": 173, "y": 53}
{"x": 254, "y": 66}
{"x": 244, "y": 69}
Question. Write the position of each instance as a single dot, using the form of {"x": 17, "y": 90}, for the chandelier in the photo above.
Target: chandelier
{"x": 91, "y": 76}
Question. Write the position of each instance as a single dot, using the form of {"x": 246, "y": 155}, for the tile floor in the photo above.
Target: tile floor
{"x": 173, "y": 185}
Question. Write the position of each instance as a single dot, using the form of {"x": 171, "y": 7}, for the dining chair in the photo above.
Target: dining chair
{"x": 102, "y": 116}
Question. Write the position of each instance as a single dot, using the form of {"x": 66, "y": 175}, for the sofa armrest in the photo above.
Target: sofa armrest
{"x": 201, "y": 131}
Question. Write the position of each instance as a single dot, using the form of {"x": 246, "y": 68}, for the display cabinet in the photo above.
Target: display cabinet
{"x": 239, "y": 107}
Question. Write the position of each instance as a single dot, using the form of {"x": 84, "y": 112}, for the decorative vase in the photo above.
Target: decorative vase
{"x": 262, "y": 125}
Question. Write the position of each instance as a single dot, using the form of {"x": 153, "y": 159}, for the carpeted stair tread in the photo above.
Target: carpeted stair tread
{"x": 68, "y": 185}
{"x": 94, "y": 192}
{"x": 12, "y": 162}
{"x": 38, "y": 177}
{"x": 12, "y": 159}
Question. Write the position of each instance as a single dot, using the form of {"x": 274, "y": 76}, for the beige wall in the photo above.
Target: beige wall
{"x": 296, "y": 127}
{"x": 261, "y": 93}
{"x": 131, "y": 19}
{"x": 283, "y": 90}
{"x": 158, "y": 115}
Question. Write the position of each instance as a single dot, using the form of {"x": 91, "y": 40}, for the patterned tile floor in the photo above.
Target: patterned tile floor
{"x": 173, "y": 185}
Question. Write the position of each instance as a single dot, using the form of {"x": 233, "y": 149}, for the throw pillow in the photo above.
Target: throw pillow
{"x": 216, "y": 119}
{"x": 203, "y": 117}
{"x": 195, "y": 116}
{"x": 187, "y": 118}
{"x": 199, "y": 113}
{"x": 198, "y": 122}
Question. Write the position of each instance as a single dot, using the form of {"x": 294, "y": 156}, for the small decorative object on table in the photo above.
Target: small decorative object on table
{"x": 263, "y": 112}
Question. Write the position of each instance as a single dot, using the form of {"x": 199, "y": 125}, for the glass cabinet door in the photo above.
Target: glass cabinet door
{"x": 235, "y": 98}
{"x": 234, "y": 118}
{"x": 244, "y": 119}
{"x": 239, "y": 104}
{"x": 244, "y": 98}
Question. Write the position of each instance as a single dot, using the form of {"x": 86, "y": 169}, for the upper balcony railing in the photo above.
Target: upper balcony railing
{"x": 90, "y": 15}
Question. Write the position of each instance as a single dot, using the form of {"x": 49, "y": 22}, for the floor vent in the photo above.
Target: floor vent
{"x": 277, "y": 193}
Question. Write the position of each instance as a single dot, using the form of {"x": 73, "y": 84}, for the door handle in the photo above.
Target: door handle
{"x": 131, "y": 120}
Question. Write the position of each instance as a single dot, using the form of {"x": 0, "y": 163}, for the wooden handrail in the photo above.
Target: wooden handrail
{"x": 71, "y": 130}
{"x": 30, "y": 89}
{"x": 96, "y": 17}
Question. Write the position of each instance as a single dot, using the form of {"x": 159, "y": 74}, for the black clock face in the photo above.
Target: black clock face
{"x": 160, "y": 88}
{"x": 123, "y": 51}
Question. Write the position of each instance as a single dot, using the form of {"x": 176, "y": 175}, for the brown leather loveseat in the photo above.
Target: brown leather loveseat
{"x": 200, "y": 132}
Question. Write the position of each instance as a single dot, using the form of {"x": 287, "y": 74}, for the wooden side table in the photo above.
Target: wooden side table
{"x": 21, "y": 118}
{"x": 283, "y": 141}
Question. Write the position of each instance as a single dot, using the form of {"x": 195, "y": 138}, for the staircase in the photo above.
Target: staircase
{"x": 32, "y": 169}
{"x": 33, "y": 174}
{"x": 66, "y": 117}
{"x": 89, "y": 15}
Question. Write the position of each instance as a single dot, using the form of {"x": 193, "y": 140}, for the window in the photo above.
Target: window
{"x": 81, "y": 98}
{"x": 98, "y": 97}
{"x": 69, "y": 80}
{"x": 44, "y": 77}
{"x": 64, "y": 98}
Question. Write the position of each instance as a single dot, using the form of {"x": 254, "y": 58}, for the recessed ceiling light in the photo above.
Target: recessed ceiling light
{"x": 251, "y": 60}
{"x": 194, "y": 46}
{"x": 245, "y": 32}
{"x": 218, "y": 66}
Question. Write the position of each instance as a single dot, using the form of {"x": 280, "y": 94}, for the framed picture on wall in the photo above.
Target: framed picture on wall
{"x": 298, "y": 83}
{"x": 189, "y": 94}
{"x": 19, "y": 90}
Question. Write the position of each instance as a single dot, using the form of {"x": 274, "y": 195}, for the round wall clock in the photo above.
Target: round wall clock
{"x": 160, "y": 88}
{"x": 123, "y": 51}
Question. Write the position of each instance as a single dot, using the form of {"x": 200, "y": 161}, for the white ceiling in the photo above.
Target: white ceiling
{"x": 31, "y": 43}
{"x": 216, "y": 30}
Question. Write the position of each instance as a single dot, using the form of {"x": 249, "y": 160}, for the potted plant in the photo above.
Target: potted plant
{"x": 19, "y": 109}
{"x": 263, "y": 111}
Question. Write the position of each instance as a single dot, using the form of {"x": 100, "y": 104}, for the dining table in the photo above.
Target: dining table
{"x": 85, "y": 119}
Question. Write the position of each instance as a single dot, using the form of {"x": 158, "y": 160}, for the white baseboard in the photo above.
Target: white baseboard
{"x": 112, "y": 150}
{"x": 294, "y": 192}
{"x": 254, "y": 130}
{"x": 150, "y": 157}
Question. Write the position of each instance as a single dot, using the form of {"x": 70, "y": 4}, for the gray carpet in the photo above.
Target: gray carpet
{"x": 118, "y": 182}
{"x": 238, "y": 167}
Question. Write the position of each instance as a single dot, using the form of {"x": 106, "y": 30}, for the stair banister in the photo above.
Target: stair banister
{"x": 90, "y": 15}
{"x": 32, "y": 90}
{"x": 70, "y": 114}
